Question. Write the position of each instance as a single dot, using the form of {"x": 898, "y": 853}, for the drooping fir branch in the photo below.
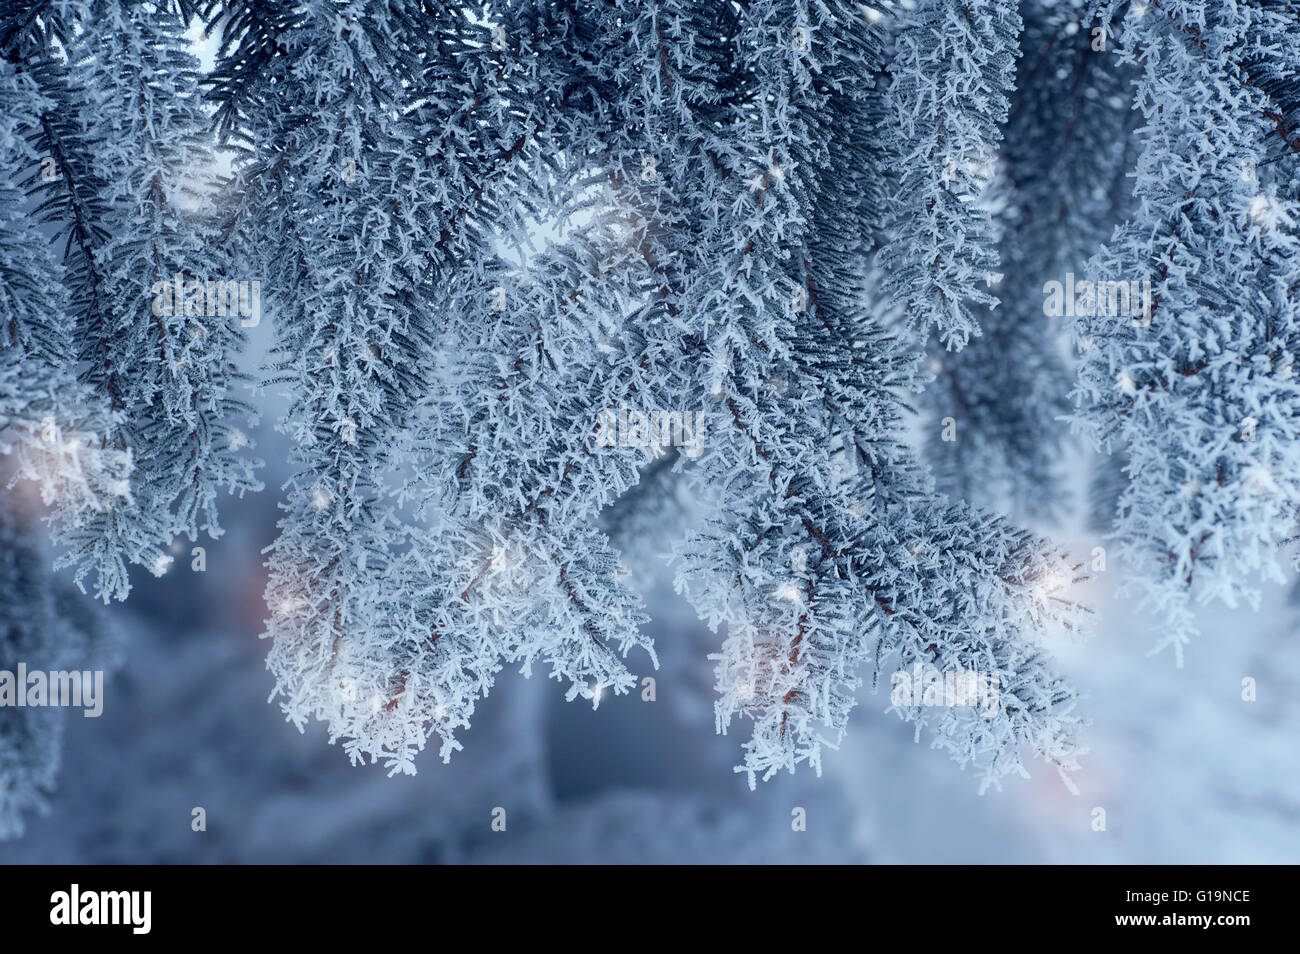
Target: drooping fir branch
{"x": 1202, "y": 395}
{"x": 250, "y": 34}
{"x": 340, "y": 214}
{"x": 125, "y": 139}
{"x": 414, "y": 168}
{"x": 678, "y": 161}
{"x": 1063, "y": 181}
{"x": 52, "y": 424}
{"x": 951, "y": 72}
{"x": 795, "y": 559}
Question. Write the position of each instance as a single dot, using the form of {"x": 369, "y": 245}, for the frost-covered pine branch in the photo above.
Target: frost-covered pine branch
{"x": 499, "y": 246}
{"x": 1200, "y": 393}
{"x": 52, "y": 424}
{"x": 685, "y": 178}
{"x": 1062, "y": 184}
{"x": 951, "y": 72}
{"x": 122, "y": 137}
